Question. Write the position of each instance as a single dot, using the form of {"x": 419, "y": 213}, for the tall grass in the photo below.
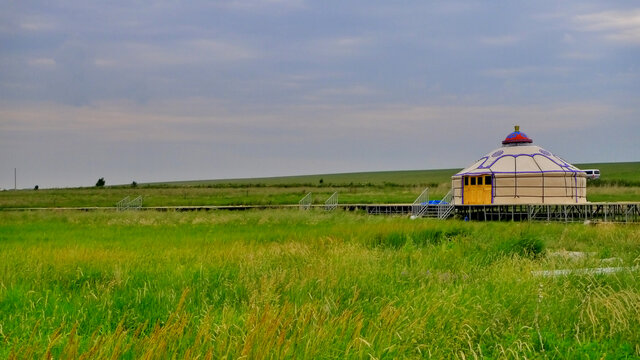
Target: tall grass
{"x": 309, "y": 285}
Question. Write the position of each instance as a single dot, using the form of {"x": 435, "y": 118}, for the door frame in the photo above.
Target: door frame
{"x": 467, "y": 188}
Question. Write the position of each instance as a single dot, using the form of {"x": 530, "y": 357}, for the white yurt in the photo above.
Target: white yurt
{"x": 519, "y": 173}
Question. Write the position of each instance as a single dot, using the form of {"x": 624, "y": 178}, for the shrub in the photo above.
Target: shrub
{"x": 613, "y": 182}
{"x": 528, "y": 245}
{"x": 436, "y": 236}
{"x": 393, "y": 240}
{"x": 419, "y": 238}
{"x": 100, "y": 182}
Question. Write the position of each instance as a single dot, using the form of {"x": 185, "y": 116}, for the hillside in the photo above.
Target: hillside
{"x": 611, "y": 172}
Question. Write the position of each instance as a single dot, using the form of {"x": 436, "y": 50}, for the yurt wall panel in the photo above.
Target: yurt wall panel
{"x": 557, "y": 192}
{"x": 505, "y": 182}
{"x": 529, "y": 191}
{"x": 529, "y": 181}
{"x": 501, "y": 191}
{"x": 527, "y": 200}
{"x": 555, "y": 180}
{"x": 559, "y": 200}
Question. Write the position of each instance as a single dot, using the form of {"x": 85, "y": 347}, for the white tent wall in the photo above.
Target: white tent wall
{"x": 542, "y": 188}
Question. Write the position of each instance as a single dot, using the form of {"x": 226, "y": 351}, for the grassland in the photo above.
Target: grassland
{"x": 210, "y": 195}
{"x": 407, "y": 177}
{"x": 291, "y": 284}
{"x": 367, "y": 188}
{"x": 620, "y": 182}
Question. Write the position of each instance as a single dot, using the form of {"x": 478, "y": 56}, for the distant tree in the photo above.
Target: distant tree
{"x": 134, "y": 184}
{"x": 100, "y": 182}
{"x": 36, "y": 187}
{"x": 321, "y": 181}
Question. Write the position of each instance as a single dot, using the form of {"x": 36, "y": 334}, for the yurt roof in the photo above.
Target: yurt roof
{"x": 519, "y": 155}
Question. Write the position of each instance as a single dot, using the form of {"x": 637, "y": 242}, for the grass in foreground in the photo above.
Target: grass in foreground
{"x": 310, "y": 285}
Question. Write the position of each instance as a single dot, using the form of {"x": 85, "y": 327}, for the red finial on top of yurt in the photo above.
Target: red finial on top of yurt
{"x": 517, "y": 137}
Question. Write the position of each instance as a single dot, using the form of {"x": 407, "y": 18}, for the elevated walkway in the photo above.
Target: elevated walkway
{"x": 627, "y": 212}
{"x": 602, "y": 212}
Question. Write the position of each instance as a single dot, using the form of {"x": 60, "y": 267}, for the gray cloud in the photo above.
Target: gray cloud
{"x": 502, "y": 40}
{"x": 617, "y": 26}
{"x": 42, "y": 62}
{"x": 262, "y": 5}
{"x": 164, "y": 90}
{"x": 189, "y": 52}
{"x": 305, "y": 135}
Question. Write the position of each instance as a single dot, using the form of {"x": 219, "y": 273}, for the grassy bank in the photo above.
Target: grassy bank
{"x": 311, "y": 285}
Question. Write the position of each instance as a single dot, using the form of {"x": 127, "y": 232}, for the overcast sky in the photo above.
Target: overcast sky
{"x": 170, "y": 90}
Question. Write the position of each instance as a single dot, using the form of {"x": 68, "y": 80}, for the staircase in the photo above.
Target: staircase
{"x": 127, "y": 203}
{"x": 442, "y": 210}
{"x": 421, "y": 204}
{"x": 445, "y": 207}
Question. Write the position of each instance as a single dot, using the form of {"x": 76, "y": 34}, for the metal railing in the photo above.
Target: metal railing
{"x": 122, "y": 204}
{"x": 445, "y": 206}
{"x": 127, "y": 203}
{"x": 332, "y": 202}
{"x": 136, "y": 204}
{"x": 305, "y": 202}
{"x": 421, "y": 204}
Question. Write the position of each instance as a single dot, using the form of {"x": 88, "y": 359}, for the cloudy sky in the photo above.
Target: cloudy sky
{"x": 170, "y": 90}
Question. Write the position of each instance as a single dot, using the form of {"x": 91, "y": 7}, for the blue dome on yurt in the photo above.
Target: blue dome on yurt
{"x": 517, "y": 137}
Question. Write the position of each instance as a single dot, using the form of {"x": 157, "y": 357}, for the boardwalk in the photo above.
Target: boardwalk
{"x": 598, "y": 212}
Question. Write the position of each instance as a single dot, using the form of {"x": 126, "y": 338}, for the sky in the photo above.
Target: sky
{"x": 151, "y": 91}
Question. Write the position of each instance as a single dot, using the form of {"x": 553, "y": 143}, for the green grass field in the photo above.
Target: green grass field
{"x": 200, "y": 195}
{"x": 291, "y": 284}
{"x": 620, "y": 182}
{"x": 407, "y": 177}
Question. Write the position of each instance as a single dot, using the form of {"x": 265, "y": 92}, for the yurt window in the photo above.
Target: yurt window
{"x": 473, "y": 181}
{"x": 487, "y": 180}
{"x": 466, "y": 181}
{"x": 480, "y": 180}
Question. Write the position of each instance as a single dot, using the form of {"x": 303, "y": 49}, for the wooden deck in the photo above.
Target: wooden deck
{"x": 620, "y": 212}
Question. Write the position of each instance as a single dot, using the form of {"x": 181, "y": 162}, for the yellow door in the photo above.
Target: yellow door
{"x": 477, "y": 190}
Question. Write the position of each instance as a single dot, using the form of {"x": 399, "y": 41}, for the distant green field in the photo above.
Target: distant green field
{"x": 406, "y": 177}
{"x": 619, "y": 182}
{"x": 627, "y": 171}
{"x": 211, "y": 195}
{"x": 291, "y": 284}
